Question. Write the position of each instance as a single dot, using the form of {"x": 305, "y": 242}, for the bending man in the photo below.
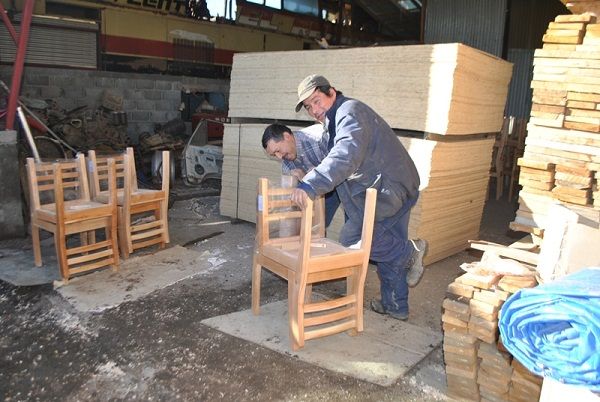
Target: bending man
{"x": 364, "y": 152}
{"x": 299, "y": 153}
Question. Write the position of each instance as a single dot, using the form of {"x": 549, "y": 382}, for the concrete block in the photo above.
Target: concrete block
{"x": 50, "y": 92}
{"x": 129, "y": 105}
{"x": 11, "y": 207}
{"x": 105, "y": 82}
{"x": 133, "y": 94}
{"x": 144, "y": 104}
{"x": 139, "y": 116}
{"x": 124, "y": 83}
{"x": 165, "y": 85}
{"x": 166, "y": 105}
{"x": 144, "y": 84}
{"x": 159, "y": 117}
{"x": 173, "y": 95}
{"x": 36, "y": 79}
{"x": 152, "y": 95}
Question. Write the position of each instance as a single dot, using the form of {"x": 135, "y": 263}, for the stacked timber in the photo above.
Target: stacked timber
{"x": 561, "y": 160}
{"x": 525, "y": 386}
{"x": 452, "y": 93}
{"x": 478, "y": 367}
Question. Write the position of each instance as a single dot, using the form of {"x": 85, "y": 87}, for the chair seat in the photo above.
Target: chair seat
{"x": 288, "y": 253}
{"x": 142, "y": 192}
{"x": 48, "y": 211}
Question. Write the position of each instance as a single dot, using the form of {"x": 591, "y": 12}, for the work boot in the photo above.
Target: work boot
{"x": 415, "y": 264}
{"x": 377, "y": 307}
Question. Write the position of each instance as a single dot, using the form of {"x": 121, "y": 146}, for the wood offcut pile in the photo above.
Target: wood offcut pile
{"x": 478, "y": 367}
{"x": 446, "y": 91}
{"x": 562, "y": 152}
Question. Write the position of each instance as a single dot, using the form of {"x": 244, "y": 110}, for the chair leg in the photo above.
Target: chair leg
{"x": 37, "y": 250}
{"x": 256, "y": 273}
{"x": 351, "y": 289}
{"x": 296, "y": 315}
{"x": 308, "y": 293}
{"x": 112, "y": 232}
{"x": 124, "y": 233}
{"x": 60, "y": 243}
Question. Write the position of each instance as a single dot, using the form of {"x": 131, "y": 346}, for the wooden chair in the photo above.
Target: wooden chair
{"x": 309, "y": 258}
{"x": 49, "y": 184}
{"x": 143, "y": 219}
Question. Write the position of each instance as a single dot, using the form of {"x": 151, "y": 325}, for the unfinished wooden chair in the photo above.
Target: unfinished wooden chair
{"x": 307, "y": 258}
{"x": 60, "y": 203}
{"x": 143, "y": 219}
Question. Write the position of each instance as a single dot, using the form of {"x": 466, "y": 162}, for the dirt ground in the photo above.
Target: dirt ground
{"x": 155, "y": 348}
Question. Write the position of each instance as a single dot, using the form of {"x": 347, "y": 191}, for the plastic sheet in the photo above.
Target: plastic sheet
{"x": 554, "y": 329}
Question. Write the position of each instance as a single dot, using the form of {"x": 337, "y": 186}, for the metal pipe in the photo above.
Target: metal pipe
{"x": 9, "y": 25}
{"x": 18, "y": 66}
{"x": 28, "y": 135}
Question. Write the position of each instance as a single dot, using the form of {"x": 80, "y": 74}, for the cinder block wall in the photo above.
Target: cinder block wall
{"x": 148, "y": 99}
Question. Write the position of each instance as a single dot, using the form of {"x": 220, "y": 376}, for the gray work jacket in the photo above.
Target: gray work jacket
{"x": 365, "y": 153}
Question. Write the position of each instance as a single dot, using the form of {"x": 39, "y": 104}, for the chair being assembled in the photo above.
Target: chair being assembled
{"x": 309, "y": 258}
{"x": 134, "y": 233}
{"x": 48, "y": 183}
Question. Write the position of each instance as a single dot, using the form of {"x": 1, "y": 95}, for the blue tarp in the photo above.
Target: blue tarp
{"x": 554, "y": 328}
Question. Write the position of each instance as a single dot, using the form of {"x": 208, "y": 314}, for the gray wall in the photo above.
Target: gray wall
{"x": 477, "y": 23}
{"x": 148, "y": 99}
{"x": 11, "y": 215}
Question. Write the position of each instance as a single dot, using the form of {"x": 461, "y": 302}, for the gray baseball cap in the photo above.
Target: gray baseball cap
{"x": 308, "y": 86}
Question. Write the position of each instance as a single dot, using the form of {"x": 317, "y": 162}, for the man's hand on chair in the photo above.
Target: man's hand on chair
{"x": 299, "y": 197}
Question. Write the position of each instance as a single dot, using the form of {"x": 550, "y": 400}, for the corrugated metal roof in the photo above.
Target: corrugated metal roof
{"x": 55, "y": 42}
{"x": 477, "y": 23}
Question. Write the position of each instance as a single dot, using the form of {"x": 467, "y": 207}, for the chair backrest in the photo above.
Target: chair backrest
{"x": 277, "y": 214}
{"x": 42, "y": 176}
{"x": 130, "y": 186}
{"x": 98, "y": 171}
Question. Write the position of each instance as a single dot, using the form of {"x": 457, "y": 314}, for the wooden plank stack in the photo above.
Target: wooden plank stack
{"x": 478, "y": 367}
{"x": 562, "y": 151}
{"x": 447, "y": 91}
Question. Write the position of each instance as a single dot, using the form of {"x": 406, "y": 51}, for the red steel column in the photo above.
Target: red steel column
{"x": 15, "y": 86}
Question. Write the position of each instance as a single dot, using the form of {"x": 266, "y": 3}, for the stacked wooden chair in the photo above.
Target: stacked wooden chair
{"x": 49, "y": 184}
{"x": 307, "y": 258}
{"x": 143, "y": 219}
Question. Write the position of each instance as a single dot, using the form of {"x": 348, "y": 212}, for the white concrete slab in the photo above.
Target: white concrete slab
{"x": 137, "y": 277}
{"x": 383, "y": 353}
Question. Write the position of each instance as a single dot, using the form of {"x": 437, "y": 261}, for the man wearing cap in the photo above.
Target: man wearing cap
{"x": 365, "y": 153}
{"x": 299, "y": 153}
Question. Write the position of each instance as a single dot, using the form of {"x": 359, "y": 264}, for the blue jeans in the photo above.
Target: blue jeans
{"x": 391, "y": 251}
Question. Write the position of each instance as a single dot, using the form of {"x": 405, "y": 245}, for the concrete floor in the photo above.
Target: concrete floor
{"x": 155, "y": 348}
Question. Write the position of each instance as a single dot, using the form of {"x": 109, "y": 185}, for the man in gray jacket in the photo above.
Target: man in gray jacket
{"x": 364, "y": 152}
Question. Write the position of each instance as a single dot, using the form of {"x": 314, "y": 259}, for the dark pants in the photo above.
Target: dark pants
{"x": 391, "y": 251}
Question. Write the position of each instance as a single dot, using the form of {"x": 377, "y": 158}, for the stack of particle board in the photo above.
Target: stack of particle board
{"x": 409, "y": 87}
{"x": 444, "y": 88}
{"x": 564, "y": 128}
{"x": 454, "y": 176}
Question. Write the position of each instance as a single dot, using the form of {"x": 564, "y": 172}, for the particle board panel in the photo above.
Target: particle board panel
{"x": 408, "y": 86}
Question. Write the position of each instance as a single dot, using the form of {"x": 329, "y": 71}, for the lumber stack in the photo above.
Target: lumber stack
{"x": 454, "y": 176}
{"x": 562, "y": 149}
{"x": 447, "y": 91}
{"x": 478, "y": 367}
